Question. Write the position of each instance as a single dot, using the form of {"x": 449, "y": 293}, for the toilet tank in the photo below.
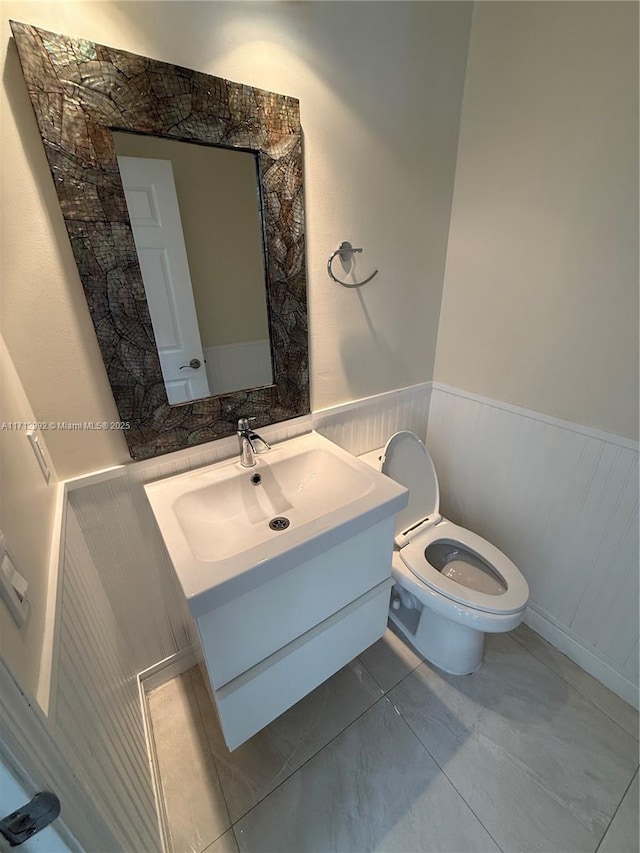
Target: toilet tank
{"x": 373, "y": 458}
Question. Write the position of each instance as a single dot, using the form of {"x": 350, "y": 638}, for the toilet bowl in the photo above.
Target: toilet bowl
{"x": 451, "y": 585}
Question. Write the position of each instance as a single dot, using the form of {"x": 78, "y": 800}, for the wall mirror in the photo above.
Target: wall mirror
{"x": 182, "y": 195}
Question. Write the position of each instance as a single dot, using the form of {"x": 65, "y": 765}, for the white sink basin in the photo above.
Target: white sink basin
{"x": 215, "y": 520}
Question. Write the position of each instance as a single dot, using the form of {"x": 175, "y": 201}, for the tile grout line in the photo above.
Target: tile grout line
{"x": 462, "y": 796}
{"x": 384, "y": 695}
{"x": 444, "y": 773}
{"x": 211, "y": 843}
{"x": 311, "y": 757}
{"x": 577, "y": 690}
{"x": 386, "y": 692}
{"x": 212, "y": 754}
{"x": 442, "y": 770}
{"x": 617, "y": 810}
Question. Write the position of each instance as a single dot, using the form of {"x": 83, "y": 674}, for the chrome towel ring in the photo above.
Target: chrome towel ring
{"x": 346, "y": 250}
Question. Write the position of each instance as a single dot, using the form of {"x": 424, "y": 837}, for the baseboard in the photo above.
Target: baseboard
{"x": 165, "y": 670}
{"x": 148, "y": 680}
{"x": 567, "y": 644}
{"x": 161, "y": 811}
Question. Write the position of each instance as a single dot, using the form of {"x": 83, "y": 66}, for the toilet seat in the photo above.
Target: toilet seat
{"x": 406, "y": 460}
{"x": 462, "y": 614}
{"x": 413, "y": 555}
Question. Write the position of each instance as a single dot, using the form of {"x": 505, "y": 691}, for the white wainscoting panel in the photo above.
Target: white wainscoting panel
{"x": 368, "y": 423}
{"x": 562, "y": 501}
{"x": 122, "y": 538}
{"x": 95, "y": 712}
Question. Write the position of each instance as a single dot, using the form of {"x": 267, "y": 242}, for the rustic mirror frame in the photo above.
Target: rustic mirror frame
{"x": 80, "y": 92}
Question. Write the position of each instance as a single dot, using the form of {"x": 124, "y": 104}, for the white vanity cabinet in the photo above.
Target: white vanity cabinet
{"x": 286, "y": 568}
{"x": 271, "y": 646}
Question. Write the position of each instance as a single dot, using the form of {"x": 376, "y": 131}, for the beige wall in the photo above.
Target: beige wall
{"x": 27, "y": 506}
{"x": 540, "y": 304}
{"x": 220, "y": 211}
{"x": 380, "y": 86}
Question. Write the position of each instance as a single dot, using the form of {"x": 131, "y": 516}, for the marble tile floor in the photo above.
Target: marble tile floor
{"x": 390, "y": 754}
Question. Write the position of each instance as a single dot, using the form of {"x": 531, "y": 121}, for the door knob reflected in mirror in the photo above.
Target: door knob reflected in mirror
{"x": 194, "y": 364}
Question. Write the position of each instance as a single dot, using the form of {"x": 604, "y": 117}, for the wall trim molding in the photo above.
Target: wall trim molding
{"x": 156, "y": 781}
{"x": 163, "y": 671}
{"x": 533, "y": 414}
{"x": 562, "y": 639}
{"x": 46, "y": 673}
{"x": 149, "y": 679}
{"x": 361, "y": 401}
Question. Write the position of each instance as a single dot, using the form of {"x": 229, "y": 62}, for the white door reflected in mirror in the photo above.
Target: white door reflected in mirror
{"x": 150, "y": 191}
{"x": 196, "y": 221}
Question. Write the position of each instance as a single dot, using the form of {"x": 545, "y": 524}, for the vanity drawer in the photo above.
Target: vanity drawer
{"x": 251, "y": 701}
{"x": 238, "y": 635}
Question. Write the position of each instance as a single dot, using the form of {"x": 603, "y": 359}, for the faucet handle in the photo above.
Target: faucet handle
{"x": 243, "y": 423}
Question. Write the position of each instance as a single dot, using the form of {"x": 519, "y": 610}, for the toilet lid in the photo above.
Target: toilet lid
{"x": 407, "y": 461}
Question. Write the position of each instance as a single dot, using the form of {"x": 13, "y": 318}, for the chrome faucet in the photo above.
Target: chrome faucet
{"x": 246, "y": 438}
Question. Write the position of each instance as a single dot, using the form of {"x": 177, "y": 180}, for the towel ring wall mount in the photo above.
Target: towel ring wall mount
{"x": 346, "y": 251}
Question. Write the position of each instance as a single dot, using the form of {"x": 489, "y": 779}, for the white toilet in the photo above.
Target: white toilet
{"x": 451, "y": 585}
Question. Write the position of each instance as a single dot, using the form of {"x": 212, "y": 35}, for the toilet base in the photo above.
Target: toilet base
{"x": 448, "y": 645}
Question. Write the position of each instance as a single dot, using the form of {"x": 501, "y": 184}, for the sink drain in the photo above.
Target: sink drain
{"x": 279, "y": 523}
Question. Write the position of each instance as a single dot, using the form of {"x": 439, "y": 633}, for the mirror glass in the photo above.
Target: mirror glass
{"x": 196, "y": 218}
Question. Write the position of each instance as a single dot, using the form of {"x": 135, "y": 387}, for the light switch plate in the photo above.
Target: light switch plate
{"x": 12, "y": 583}
{"x": 36, "y": 445}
